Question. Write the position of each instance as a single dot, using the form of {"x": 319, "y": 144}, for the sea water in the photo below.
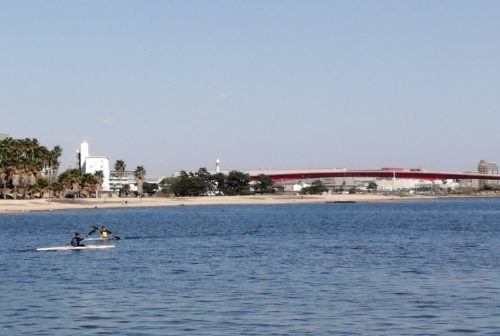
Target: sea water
{"x": 405, "y": 268}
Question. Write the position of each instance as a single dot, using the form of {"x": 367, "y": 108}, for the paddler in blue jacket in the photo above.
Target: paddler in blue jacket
{"x": 77, "y": 240}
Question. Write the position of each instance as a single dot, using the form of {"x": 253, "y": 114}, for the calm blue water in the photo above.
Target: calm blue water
{"x": 419, "y": 268}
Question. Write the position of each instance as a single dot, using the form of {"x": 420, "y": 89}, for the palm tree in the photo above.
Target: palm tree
{"x": 126, "y": 189}
{"x": 89, "y": 184}
{"x": 55, "y": 188}
{"x": 7, "y": 161}
{"x": 15, "y": 182}
{"x": 70, "y": 180}
{"x": 100, "y": 178}
{"x": 76, "y": 183}
{"x": 41, "y": 186}
{"x": 53, "y": 162}
{"x": 44, "y": 186}
{"x": 119, "y": 171}
{"x": 3, "y": 180}
{"x": 139, "y": 174}
{"x": 31, "y": 181}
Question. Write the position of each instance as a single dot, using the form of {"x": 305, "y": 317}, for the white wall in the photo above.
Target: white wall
{"x": 93, "y": 164}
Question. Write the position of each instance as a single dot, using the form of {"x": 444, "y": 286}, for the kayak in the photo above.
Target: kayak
{"x": 101, "y": 239}
{"x": 73, "y": 248}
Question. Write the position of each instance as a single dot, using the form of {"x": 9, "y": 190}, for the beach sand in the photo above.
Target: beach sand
{"x": 9, "y": 206}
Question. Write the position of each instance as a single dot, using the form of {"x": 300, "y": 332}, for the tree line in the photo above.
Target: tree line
{"x": 204, "y": 183}
{"x": 26, "y": 165}
{"x": 31, "y": 170}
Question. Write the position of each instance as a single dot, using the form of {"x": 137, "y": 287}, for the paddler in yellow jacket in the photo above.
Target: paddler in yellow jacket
{"x": 105, "y": 233}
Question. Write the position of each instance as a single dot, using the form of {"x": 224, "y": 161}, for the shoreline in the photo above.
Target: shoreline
{"x": 35, "y": 205}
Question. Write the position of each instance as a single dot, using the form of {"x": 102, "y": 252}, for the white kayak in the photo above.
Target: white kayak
{"x": 72, "y": 248}
{"x": 101, "y": 238}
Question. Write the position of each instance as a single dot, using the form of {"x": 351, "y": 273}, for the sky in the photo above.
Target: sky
{"x": 175, "y": 85}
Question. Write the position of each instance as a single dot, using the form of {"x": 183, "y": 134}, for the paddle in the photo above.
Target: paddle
{"x": 95, "y": 228}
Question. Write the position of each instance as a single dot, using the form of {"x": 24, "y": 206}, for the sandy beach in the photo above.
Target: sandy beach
{"x": 14, "y": 206}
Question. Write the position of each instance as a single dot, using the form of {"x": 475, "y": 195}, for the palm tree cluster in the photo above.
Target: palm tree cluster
{"x": 72, "y": 184}
{"x": 26, "y": 167}
{"x": 30, "y": 170}
{"x": 120, "y": 172}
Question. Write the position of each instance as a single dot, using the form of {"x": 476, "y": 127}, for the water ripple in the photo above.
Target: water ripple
{"x": 424, "y": 268}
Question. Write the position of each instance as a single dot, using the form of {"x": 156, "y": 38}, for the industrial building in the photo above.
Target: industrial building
{"x": 487, "y": 168}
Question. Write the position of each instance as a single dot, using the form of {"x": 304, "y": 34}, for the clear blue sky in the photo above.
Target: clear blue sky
{"x": 259, "y": 84}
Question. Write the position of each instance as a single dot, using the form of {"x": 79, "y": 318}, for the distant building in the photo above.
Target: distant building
{"x": 490, "y": 168}
{"x": 297, "y": 187}
{"x": 403, "y": 185}
{"x": 4, "y": 136}
{"x": 128, "y": 178}
{"x": 90, "y": 164}
{"x": 469, "y": 183}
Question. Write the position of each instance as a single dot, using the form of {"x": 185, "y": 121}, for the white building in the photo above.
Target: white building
{"x": 393, "y": 185}
{"x": 128, "y": 178}
{"x": 297, "y": 187}
{"x": 90, "y": 164}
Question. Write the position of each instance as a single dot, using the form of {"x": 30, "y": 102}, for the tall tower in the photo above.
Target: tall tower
{"x": 217, "y": 166}
{"x": 84, "y": 153}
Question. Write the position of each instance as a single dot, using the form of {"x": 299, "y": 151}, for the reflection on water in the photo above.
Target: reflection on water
{"x": 352, "y": 269}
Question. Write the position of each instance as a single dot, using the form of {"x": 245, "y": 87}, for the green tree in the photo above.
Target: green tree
{"x": 125, "y": 190}
{"x": 237, "y": 183}
{"x": 166, "y": 185}
{"x": 189, "y": 184}
{"x": 317, "y": 187}
{"x": 185, "y": 185}
{"x": 89, "y": 184}
{"x": 372, "y": 185}
{"x": 55, "y": 189}
{"x": 204, "y": 182}
{"x": 70, "y": 181}
{"x": 218, "y": 182}
{"x": 150, "y": 188}
{"x": 41, "y": 186}
{"x": 264, "y": 184}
